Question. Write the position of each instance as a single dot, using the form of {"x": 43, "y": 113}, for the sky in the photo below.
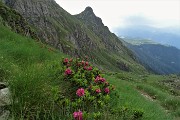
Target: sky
{"x": 121, "y": 13}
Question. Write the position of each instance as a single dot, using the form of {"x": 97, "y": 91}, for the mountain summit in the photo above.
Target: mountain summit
{"x": 89, "y": 9}
{"x": 89, "y": 17}
{"x": 79, "y": 35}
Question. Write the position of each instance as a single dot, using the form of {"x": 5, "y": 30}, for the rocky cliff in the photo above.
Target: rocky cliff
{"x": 94, "y": 23}
{"x": 15, "y": 21}
{"x": 79, "y": 35}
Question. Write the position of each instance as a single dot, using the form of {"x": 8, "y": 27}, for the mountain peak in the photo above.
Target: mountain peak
{"x": 89, "y": 9}
{"x": 89, "y": 16}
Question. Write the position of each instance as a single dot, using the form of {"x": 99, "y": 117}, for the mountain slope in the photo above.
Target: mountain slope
{"x": 158, "y": 58}
{"x": 73, "y": 36}
{"x": 34, "y": 75}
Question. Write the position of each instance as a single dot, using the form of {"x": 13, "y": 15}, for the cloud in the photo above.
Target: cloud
{"x": 137, "y": 20}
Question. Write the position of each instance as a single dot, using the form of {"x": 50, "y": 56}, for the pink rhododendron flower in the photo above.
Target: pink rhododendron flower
{"x": 98, "y": 90}
{"x": 66, "y": 60}
{"x": 78, "y": 115}
{"x": 86, "y": 63}
{"x": 97, "y": 79}
{"x": 106, "y": 90}
{"x": 85, "y": 68}
{"x": 68, "y": 71}
{"x": 80, "y": 92}
{"x": 89, "y": 68}
{"x": 102, "y": 79}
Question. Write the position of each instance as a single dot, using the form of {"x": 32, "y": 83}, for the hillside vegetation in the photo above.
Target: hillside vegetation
{"x": 46, "y": 84}
{"x": 33, "y": 72}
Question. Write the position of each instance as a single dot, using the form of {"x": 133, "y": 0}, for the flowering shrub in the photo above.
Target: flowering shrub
{"x": 78, "y": 115}
{"x": 88, "y": 91}
{"x": 80, "y": 92}
{"x": 68, "y": 71}
{"x": 106, "y": 90}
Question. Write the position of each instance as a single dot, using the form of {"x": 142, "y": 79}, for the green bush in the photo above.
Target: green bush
{"x": 87, "y": 90}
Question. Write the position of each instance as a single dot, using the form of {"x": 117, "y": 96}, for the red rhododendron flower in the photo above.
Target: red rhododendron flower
{"x": 89, "y": 68}
{"x": 68, "y": 71}
{"x": 86, "y": 63}
{"x": 98, "y": 90}
{"x": 78, "y": 115}
{"x": 85, "y": 68}
{"x": 97, "y": 79}
{"x": 80, "y": 92}
{"x": 66, "y": 60}
{"x": 102, "y": 79}
{"x": 106, "y": 90}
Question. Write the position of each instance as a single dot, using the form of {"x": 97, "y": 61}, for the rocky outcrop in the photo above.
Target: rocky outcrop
{"x": 94, "y": 23}
{"x": 4, "y": 101}
{"x": 80, "y": 35}
{"x": 16, "y": 22}
{"x": 53, "y": 24}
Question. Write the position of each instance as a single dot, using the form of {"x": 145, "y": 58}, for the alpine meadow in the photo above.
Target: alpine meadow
{"x": 58, "y": 66}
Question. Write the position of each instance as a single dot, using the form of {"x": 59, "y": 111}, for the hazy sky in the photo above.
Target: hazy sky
{"x": 115, "y": 13}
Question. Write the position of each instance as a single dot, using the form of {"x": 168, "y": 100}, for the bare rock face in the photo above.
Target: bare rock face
{"x": 5, "y": 97}
{"x": 37, "y": 13}
{"x": 4, "y": 101}
{"x": 54, "y": 25}
{"x": 2, "y": 85}
{"x": 79, "y": 35}
{"x": 95, "y": 23}
{"x": 4, "y": 115}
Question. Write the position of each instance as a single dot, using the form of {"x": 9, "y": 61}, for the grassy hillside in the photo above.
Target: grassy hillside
{"x": 33, "y": 72}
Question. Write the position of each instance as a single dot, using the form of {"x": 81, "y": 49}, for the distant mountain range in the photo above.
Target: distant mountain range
{"x": 155, "y": 57}
{"x": 168, "y": 36}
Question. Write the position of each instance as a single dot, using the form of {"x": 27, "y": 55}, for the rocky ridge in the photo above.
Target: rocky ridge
{"x": 79, "y": 35}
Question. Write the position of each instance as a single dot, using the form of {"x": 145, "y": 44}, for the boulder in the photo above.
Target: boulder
{"x": 5, "y": 97}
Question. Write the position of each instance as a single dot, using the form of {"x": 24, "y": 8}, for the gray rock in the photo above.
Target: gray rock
{"x": 5, "y": 97}
{"x": 2, "y": 85}
{"x": 4, "y": 115}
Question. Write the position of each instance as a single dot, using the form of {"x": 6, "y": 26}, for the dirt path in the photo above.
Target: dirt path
{"x": 146, "y": 95}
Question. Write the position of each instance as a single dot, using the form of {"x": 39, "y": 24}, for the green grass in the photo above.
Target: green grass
{"x": 130, "y": 97}
{"x": 33, "y": 71}
{"x": 30, "y": 69}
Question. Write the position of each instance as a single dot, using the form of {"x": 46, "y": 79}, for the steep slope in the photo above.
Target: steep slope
{"x": 34, "y": 74}
{"x": 16, "y": 22}
{"x": 156, "y": 57}
{"x": 65, "y": 32}
{"x": 95, "y": 24}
